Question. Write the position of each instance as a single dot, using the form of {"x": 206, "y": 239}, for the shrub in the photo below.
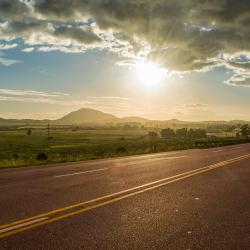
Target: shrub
{"x": 99, "y": 153}
{"x": 152, "y": 135}
{"x": 42, "y": 157}
{"x": 15, "y": 157}
{"x": 121, "y": 150}
{"x": 167, "y": 133}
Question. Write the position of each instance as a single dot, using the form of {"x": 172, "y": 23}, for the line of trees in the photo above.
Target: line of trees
{"x": 183, "y": 133}
{"x": 245, "y": 130}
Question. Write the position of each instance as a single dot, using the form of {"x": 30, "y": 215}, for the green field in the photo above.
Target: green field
{"x": 64, "y": 145}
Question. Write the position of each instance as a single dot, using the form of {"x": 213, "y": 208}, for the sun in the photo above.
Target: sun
{"x": 149, "y": 73}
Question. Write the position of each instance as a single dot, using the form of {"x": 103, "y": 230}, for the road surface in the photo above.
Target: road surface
{"x": 192, "y": 199}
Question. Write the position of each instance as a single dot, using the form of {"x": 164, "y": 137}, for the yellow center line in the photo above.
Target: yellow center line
{"x": 94, "y": 200}
{"x": 115, "y": 194}
{"x": 147, "y": 187}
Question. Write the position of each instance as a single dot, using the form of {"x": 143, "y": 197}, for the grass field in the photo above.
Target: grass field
{"x": 19, "y": 149}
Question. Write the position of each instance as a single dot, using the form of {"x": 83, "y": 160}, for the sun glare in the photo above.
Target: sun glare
{"x": 149, "y": 73}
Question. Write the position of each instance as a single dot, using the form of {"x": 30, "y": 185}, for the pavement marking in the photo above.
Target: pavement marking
{"x": 176, "y": 157}
{"x": 125, "y": 165}
{"x": 146, "y": 187}
{"x": 78, "y": 173}
{"x": 22, "y": 225}
{"x": 95, "y": 200}
{"x": 148, "y": 161}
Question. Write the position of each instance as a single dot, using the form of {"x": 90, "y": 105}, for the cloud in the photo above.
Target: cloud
{"x": 242, "y": 80}
{"x": 196, "y": 106}
{"x": 44, "y": 100}
{"x": 240, "y": 66}
{"x": 192, "y": 108}
{"x": 79, "y": 34}
{"x": 28, "y": 99}
{"x": 27, "y": 50}
{"x": 33, "y": 96}
{"x": 181, "y": 35}
{"x": 13, "y": 9}
{"x": 109, "y": 98}
{"x": 7, "y": 61}
{"x": 181, "y": 60}
{"x": 63, "y": 100}
{"x": 16, "y": 92}
{"x": 8, "y": 46}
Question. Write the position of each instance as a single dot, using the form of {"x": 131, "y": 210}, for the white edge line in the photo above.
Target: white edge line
{"x": 78, "y": 173}
{"x": 128, "y": 164}
{"x": 154, "y": 160}
{"x": 176, "y": 157}
{"x": 185, "y": 174}
{"x": 4, "y": 230}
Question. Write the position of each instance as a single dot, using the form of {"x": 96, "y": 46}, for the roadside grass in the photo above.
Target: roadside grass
{"x": 17, "y": 149}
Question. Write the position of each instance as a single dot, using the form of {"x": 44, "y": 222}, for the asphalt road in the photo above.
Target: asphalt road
{"x": 193, "y": 199}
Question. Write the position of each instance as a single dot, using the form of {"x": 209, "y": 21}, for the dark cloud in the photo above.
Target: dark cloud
{"x": 183, "y": 35}
{"x": 20, "y": 28}
{"x": 78, "y": 34}
{"x": 13, "y": 9}
{"x": 180, "y": 59}
{"x": 240, "y": 62}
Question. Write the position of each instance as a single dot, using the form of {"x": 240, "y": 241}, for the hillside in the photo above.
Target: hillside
{"x": 21, "y": 122}
{"x": 86, "y": 116}
{"x": 133, "y": 119}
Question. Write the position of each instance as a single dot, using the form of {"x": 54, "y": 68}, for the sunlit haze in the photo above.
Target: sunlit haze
{"x": 124, "y": 124}
{"x": 150, "y": 74}
{"x": 188, "y": 63}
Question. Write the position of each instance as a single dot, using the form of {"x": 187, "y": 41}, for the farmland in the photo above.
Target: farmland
{"x": 21, "y": 147}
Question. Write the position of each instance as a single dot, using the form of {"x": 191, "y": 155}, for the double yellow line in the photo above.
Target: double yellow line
{"x": 58, "y": 214}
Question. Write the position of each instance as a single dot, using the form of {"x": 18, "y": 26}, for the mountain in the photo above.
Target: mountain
{"x": 133, "y": 119}
{"x": 86, "y": 116}
{"x": 21, "y": 122}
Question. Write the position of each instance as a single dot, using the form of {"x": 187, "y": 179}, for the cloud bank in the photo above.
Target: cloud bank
{"x": 181, "y": 35}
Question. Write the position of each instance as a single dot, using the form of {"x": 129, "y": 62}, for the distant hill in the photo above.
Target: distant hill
{"x": 133, "y": 119}
{"x": 21, "y": 122}
{"x": 87, "y": 116}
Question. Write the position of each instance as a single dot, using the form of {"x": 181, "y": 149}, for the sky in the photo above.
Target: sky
{"x": 161, "y": 59}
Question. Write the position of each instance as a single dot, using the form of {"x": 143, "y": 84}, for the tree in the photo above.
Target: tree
{"x": 29, "y": 131}
{"x": 183, "y": 132}
{"x": 167, "y": 133}
{"x": 152, "y": 135}
{"x": 245, "y": 130}
{"x": 197, "y": 133}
